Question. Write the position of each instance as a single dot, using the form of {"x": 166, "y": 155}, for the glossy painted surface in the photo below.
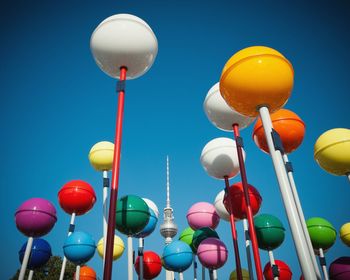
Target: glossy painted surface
{"x": 269, "y": 231}
{"x": 345, "y": 234}
{"x": 118, "y": 248}
{"x": 101, "y": 155}
{"x": 220, "y": 207}
{"x": 202, "y": 234}
{"x": 150, "y": 227}
{"x": 339, "y": 269}
{"x": 322, "y": 233}
{"x": 87, "y": 273}
{"x": 245, "y": 275}
{"x": 212, "y": 253}
{"x": 79, "y": 247}
{"x": 283, "y": 268}
{"x": 187, "y": 236}
{"x": 202, "y": 214}
{"x": 177, "y": 256}
{"x": 152, "y": 265}
{"x": 39, "y": 255}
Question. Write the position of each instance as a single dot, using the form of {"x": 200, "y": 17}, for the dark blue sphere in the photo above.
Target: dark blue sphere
{"x": 177, "y": 256}
{"x": 79, "y": 247}
{"x": 40, "y": 254}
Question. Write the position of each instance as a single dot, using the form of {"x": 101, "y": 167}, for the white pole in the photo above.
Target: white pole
{"x": 305, "y": 261}
{"x": 247, "y": 248}
{"x": 215, "y": 274}
{"x": 272, "y": 262}
{"x": 77, "y": 273}
{"x": 348, "y": 175}
{"x": 141, "y": 257}
{"x": 30, "y": 276}
{"x": 181, "y": 276}
{"x": 194, "y": 267}
{"x": 130, "y": 253}
{"x": 203, "y": 272}
{"x": 64, "y": 262}
{"x": 169, "y": 275}
{"x": 302, "y": 218}
{"x": 105, "y": 213}
{"x": 25, "y": 258}
{"x": 324, "y": 267}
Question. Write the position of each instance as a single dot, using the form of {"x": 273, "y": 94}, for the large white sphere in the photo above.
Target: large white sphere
{"x": 219, "y": 158}
{"x": 152, "y": 205}
{"x": 220, "y": 207}
{"x": 124, "y": 40}
{"x": 220, "y": 114}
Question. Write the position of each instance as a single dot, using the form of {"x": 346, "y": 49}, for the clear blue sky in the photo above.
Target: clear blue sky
{"x": 56, "y": 104}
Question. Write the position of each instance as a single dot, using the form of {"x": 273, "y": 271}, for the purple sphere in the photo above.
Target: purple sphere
{"x": 35, "y": 217}
{"x": 340, "y": 269}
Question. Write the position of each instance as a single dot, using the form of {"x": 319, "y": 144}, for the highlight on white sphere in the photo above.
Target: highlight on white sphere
{"x": 220, "y": 207}
{"x": 152, "y": 205}
{"x": 219, "y": 158}
{"x": 220, "y": 114}
{"x": 124, "y": 40}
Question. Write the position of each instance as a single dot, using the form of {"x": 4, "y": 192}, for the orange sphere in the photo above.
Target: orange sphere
{"x": 254, "y": 77}
{"x": 287, "y": 124}
{"x": 87, "y": 273}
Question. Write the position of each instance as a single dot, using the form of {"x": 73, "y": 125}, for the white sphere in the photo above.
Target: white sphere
{"x": 220, "y": 114}
{"x": 124, "y": 40}
{"x": 152, "y": 205}
{"x": 220, "y": 207}
{"x": 219, "y": 158}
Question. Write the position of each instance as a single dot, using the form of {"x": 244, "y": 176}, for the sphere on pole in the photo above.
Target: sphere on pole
{"x": 101, "y": 156}
{"x": 152, "y": 265}
{"x": 202, "y": 214}
{"x": 322, "y": 233}
{"x": 118, "y": 248}
{"x": 177, "y": 256}
{"x": 212, "y": 253}
{"x": 220, "y": 207}
{"x": 285, "y": 272}
{"x": 79, "y": 247}
{"x": 345, "y": 234}
{"x": 40, "y": 253}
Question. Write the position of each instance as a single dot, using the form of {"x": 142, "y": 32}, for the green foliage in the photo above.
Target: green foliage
{"x": 51, "y": 271}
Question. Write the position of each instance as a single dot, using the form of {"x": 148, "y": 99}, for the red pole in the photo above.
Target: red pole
{"x": 249, "y": 211}
{"x": 107, "y": 273}
{"x": 234, "y": 232}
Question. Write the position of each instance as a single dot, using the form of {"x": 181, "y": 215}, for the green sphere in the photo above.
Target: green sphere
{"x": 201, "y": 234}
{"x": 269, "y": 231}
{"x": 187, "y": 237}
{"x": 132, "y": 215}
{"x": 322, "y": 233}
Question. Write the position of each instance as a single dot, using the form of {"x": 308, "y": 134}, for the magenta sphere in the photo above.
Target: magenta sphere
{"x": 202, "y": 214}
{"x": 35, "y": 217}
{"x": 212, "y": 253}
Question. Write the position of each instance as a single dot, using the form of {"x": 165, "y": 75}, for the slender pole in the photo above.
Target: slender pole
{"x": 293, "y": 218}
{"x": 30, "y": 276}
{"x": 25, "y": 258}
{"x": 348, "y": 175}
{"x": 249, "y": 212}
{"x": 215, "y": 274}
{"x": 105, "y": 210}
{"x": 130, "y": 257}
{"x": 70, "y": 230}
{"x": 194, "y": 267}
{"x": 272, "y": 263}
{"x": 181, "y": 276}
{"x": 77, "y": 272}
{"x": 107, "y": 270}
{"x": 323, "y": 264}
{"x": 203, "y": 272}
{"x": 301, "y": 216}
{"x": 140, "y": 253}
{"x": 233, "y": 231}
{"x": 212, "y": 274}
{"x": 247, "y": 247}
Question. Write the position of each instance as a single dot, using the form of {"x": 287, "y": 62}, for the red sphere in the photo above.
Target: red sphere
{"x": 76, "y": 197}
{"x": 288, "y": 125}
{"x": 283, "y": 268}
{"x": 238, "y": 200}
{"x": 152, "y": 265}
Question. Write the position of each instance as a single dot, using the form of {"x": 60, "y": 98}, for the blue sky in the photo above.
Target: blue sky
{"x": 56, "y": 104}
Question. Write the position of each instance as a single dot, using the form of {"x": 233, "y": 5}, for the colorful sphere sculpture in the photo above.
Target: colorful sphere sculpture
{"x": 149, "y": 228}
{"x": 124, "y": 40}
{"x": 340, "y": 269}
{"x": 187, "y": 237}
{"x": 288, "y": 125}
{"x": 256, "y": 76}
{"x": 220, "y": 207}
{"x": 322, "y": 233}
{"x": 269, "y": 231}
{"x": 219, "y": 158}
{"x": 101, "y": 156}
{"x": 152, "y": 206}
{"x": 202, "y": 214}
{"x": 132, "y": 214}
{"x": 284, "y": 271}
{"x": 332, "y": 151}
{"x": 177, "y": 256}
{"x": 152, "y": 265}
{"x": 212, "y": 253}
{"x": 39, "y": 255}
{"x": 79, "y": 247}
{"x": 35, "y": 217}
{"x": 345, "y": 234}
{"x": 245, "y": 275}
{"x": 118, "y": 247}
{"x": 236, "y": 193}
{"x": 220, "y": 114}
{"x": 86, "y": 273}
{"x": 76, "y": 196}
{"x": 202, "y": 234}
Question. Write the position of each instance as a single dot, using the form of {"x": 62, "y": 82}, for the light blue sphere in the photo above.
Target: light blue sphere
{"x": 79, "y": 247}
{"x": 177, "y": 256}
{"x": 149, "y": 228}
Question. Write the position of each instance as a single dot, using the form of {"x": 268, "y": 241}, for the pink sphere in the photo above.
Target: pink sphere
{"x": 202, "y": 214}
{"x": 212, "y": 253}
{"x": 35, "y": 217}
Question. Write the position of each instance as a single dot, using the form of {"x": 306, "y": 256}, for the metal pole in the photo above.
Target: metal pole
{"x": 203, "y": 272}
{"x": 272, "y": 263}
{"x": 30, "y": 276}
{"x": 77, "y": 273}
{"x": 181, "y": 276}
{"x": 215, "y": 274}
{"x": 292, "y": 214}
{"x": 107, "y": 270}
{"x": 249, "y": 212}
{"x": 105, "y": 210}
{"x": 26, "y": 258}
{"x": 140, "y": 253}
{"x": 323, "y": 264}
{"x": 70, "y": 230}
{"x": 301, "y": 215}
{"x": 233, "y": 231}
{"x": 348, "y": 175}
{"x": 130, "y": 257}
{"x": 194, "y": 267}
{"x": 247, "y": 247}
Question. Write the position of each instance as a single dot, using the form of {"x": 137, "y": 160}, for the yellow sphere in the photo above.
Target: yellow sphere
{"x": 332, "y": 151}
{"x": 118, "y": 247}
{"x": 245, "y": 275}
{"x": 254, "y": 77}
{"x": 345, "y": 234}
{"x": 101, "y": 156}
